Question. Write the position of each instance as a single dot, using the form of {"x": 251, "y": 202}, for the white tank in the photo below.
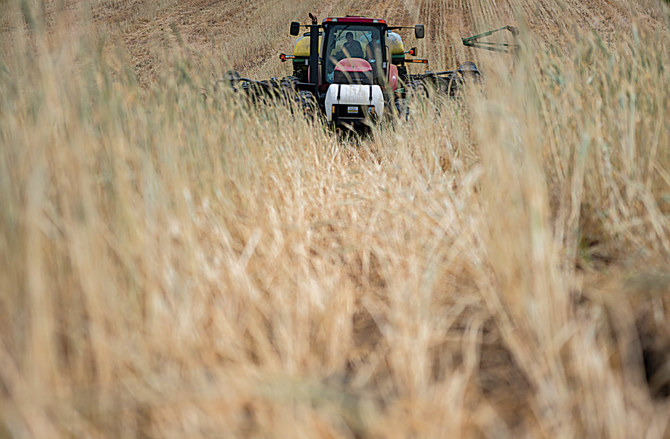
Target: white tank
{"x": 352, "y": 96}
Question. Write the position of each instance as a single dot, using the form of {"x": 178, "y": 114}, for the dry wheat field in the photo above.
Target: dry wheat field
{"x": 175, "y": 263}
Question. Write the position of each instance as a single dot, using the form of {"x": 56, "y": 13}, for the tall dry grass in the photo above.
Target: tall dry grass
{"x": 174, "y": 266}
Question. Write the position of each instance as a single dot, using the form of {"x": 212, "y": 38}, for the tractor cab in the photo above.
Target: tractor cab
{"x": 354, "y": 51}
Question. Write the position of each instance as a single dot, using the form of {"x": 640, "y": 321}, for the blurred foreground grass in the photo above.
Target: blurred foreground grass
{"x": 174, "y": 266}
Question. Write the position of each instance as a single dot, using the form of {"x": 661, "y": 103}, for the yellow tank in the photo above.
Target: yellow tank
{"x": 395, "y": 43}
{"x": 301, "y": 47}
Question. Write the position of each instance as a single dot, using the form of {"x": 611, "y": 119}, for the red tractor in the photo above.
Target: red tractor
{"x": 351, "y": 73}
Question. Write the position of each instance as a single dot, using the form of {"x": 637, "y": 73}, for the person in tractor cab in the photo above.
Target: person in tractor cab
{"x": 352, "y": 48}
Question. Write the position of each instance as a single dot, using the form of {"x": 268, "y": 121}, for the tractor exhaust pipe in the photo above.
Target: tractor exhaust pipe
{"x": 314, "y": 52}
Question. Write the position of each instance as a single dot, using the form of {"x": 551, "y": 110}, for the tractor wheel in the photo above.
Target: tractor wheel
{"x": 401, "y": 108}
{"x": 469, "y": 71}
{"x": 306, "y": 101}
{"x": 451, "y": 85}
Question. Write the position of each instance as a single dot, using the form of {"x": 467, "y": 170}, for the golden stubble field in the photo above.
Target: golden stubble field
{"x": 174, "y": 266}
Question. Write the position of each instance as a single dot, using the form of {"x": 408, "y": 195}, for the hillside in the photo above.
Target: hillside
{"x": 179, "y": 263}
{"x": 218, "y": 29}
{"x": 215, "y": 28}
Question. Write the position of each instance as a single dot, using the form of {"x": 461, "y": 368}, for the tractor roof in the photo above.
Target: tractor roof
{"x": 354, "y": 19}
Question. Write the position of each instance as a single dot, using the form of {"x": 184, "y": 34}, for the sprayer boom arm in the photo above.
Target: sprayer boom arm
{"x": 473, "y": 41}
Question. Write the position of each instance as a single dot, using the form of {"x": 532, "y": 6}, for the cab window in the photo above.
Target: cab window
{"x": 352, "y": 41}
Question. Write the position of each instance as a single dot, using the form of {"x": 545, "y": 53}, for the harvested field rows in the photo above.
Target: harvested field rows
{"x": 214, "y": 28}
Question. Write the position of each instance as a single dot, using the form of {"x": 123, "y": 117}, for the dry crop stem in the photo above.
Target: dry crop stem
{"x": 174, "y": 266}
